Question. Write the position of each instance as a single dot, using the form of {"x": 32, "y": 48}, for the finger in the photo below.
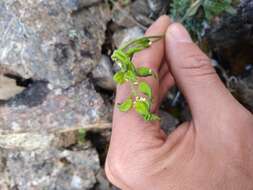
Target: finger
{"x": 166, "y": 83}
{"x": 164, "y": 69}
{"x": 129, "y": 126}
{"x": 153, "y": 56}
{"x": 195, "y": 76}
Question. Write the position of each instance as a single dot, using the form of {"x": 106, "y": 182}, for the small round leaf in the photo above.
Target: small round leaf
{"x": 141, "y": 108}
{"x": 145, "y": 89}
{"x": 144, "y": 72}
{"x": 126, "y": 105}
{"x": 130, "y": 75}
{"x": 119, "y": 78}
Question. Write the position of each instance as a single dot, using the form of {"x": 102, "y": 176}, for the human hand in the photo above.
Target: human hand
{"x": 212, "y": 151}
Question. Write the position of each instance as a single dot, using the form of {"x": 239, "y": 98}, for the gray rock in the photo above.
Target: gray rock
{"x": 158, "y": 7}
{"x": 123, "y": 17}
{"x": 26, "y": 141}
{"x": 103, "y": 75}
{"x": 53, "y": 169}
{"x": 75, "y": 5}
{"x": 146, "y": 11}
{"x": 43, "y": 41}
{"x": 168, "y": 122}
{"x": 243, "y": 90}
{"x": 77, "y": 106}
{"x": 122, "y": 36}
{"x": 103, "y": 183}
{"x": 139, "y": 13}
{"x": 4, "y": 178}
{"x": 231, "y": 37}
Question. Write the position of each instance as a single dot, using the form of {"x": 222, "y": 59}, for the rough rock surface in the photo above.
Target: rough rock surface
{"x": 51, "y": 40}
{"x": 103, "y": 74}
{"x": 232, "y": 39}
{"x": 50, "y": 169}
{"x": 79, "y": 105}
{"x": 243, "y": 90}
{"x": 140, "y": 12}
{"x": 168, "y": 122}
{"x": 122, "y": 36}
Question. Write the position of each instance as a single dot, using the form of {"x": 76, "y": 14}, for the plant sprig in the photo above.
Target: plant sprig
{"x": 141, "y": 92}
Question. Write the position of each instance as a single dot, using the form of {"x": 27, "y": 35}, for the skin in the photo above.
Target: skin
{"x": 213, "y": 151}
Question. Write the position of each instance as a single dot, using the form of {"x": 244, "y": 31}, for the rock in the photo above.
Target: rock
{"x": 146, "y": 11}
{"x": 8, "y": 88}
{"x": 122, "y": 36}
{"x": 26, "y": 141}
{"x": 43, "y": 41}
{"x": 103, "y": 74}
{"x": 231, "y": 38}
{"x": 4, "y": 180}
{"x": 242, "y": 89}
{"x": 140, "y": 13}
{"x": 168, "y": 122}
{"x": 32, "y": 96}
{"x": 103, "y": 183}
{"x": 78, "y": 106}
{"x": 123, "y": 17}
{"x": 158, "y": 7}
{"x": 75, "y": 5}
{"x": 53, "y": 169}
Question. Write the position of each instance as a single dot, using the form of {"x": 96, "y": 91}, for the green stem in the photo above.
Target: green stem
{"x": 156, "y": 38}
{"x": 133, "y": 90}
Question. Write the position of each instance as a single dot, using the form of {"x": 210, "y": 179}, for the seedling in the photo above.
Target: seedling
{"x": 140, "y": 98}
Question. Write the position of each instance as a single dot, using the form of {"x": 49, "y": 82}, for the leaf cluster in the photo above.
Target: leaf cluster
{"x": 195, "y": 14}
{"x": 141, "y": 92}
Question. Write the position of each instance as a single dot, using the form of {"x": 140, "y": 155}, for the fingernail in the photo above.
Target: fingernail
{"x": 178, "y": 33}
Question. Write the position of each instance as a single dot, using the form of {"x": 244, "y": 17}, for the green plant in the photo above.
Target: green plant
{"x": 81, "y": 136}
{"x": 141, "y": 92}
{"x": 195, "y": 14}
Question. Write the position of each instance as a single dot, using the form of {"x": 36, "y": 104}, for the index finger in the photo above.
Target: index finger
{"x": 129, "y": 124}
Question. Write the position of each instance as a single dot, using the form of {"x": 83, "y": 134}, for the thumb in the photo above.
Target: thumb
{"x": 194, "y": 74}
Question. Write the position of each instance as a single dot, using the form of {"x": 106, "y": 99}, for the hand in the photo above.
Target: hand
{"x": 213, "y": 151}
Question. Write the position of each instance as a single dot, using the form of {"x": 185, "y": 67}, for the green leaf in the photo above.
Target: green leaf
{"x": 131, "y": 51}
{"x": 231, "y": 10}
{"x": 150, "y": 117}
{"x": 121, "y": 58}
{"x": 130, "y": 75}
{"x": 145, "y": 89}
{"x": 81, "y": 136}
{"x": 126, "y": 105}
{"x": 154, "y": 117}
{"x": 141, "y": 108}
{"x": 119, "y": 77}
{"x": 144, "y": 72}
{"x": 192, "y": 10}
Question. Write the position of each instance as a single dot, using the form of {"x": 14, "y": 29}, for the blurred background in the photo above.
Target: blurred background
{"x": 56, "y": 87}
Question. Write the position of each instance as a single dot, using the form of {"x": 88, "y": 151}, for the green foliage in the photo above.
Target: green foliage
{"x": 195, "y": 14}
{"x": 141, "y": 92}
{"x": 81, "y": 136}
{"x": 145, "y": 89}
{"x": 126, "y": 105}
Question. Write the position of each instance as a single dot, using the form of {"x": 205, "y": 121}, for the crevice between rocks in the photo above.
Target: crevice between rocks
{"x": 34, "y": 93}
